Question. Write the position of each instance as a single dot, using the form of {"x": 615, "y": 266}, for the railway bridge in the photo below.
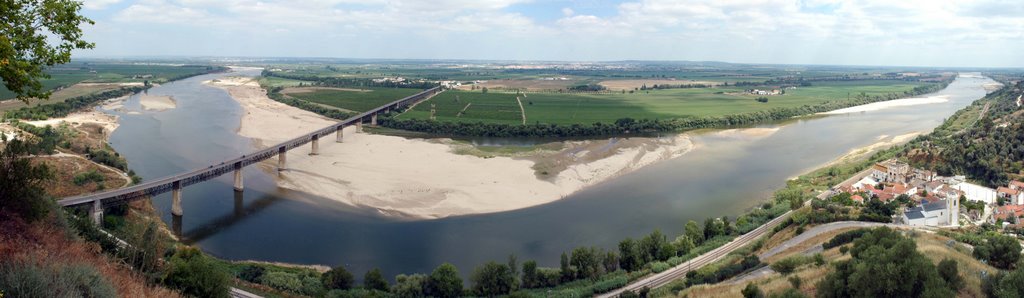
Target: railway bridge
{"x": 174, "y": 184}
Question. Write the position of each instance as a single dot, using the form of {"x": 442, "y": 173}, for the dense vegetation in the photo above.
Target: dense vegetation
{"x": 885, "y": 263}
{"x": 988, "y": 150}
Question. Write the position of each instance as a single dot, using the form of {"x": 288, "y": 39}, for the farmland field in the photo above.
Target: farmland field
{"x": 563, "y": 108}
{"x": 357, "y": 100}
{"x": 103, "y": 72}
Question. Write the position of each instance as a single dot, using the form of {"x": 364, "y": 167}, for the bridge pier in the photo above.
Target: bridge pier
{"x": 176, "y": 199}
{"x": 97, "y": 212}
{"x": 282, "y": 157}
{"x": 359, "y": 125}
{"x": 373, "y": 119}
{"x": 339, "y": 136}
{"x": 316, "y": 146}
{"x": 238, "y": 178}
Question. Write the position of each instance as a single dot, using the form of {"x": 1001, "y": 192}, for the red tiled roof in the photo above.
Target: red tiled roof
{"x": 1006, "y": 190}
{"x": 1018, "y": 184}
{"x": 857, "y": 198}
{"x": 1002, "y": 212}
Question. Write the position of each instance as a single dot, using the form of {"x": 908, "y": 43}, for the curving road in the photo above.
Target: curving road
{"x": 679, "y": 271}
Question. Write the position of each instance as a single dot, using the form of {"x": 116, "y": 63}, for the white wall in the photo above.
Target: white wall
{"x": 976, "y": 192}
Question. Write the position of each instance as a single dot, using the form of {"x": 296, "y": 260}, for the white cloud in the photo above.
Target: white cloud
{"x": 98, "y": 4}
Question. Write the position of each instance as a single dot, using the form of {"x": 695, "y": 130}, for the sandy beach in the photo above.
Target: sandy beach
{"x": 157, "y": 102}
{"x": 889, "y": 104}
{"x": 425, "y": 179}
{"x": 106, "y": 121}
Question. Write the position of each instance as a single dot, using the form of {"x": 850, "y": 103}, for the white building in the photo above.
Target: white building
{"x": 934, "y": 214}
{"x": 976, "y": 192}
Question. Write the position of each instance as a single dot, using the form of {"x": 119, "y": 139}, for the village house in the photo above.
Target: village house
{"x": 890, "y": 171}
{"x": 1008, "y": 213}
{"x": 1013, "y": 196}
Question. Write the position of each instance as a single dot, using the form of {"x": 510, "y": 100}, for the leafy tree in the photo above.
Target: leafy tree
{"x": 493, "y": 279}
{"x": 445, "y": 281}
{"x": 21, "y": 183}
{"x": 611, "y": 262}
{"x": 29, "y": 27}
{"x": 410, "y": 286}
{"x": 586, "y": 262}
{"x": 337, "y": 278}
{"x": 712, "y": 228}
{"x": 752, "y": 291}
{"x": 683, "y": 244}
{"x": 530, "y": 275}
{"x": 194, "y": 274}
{"x": 949, "y": 272}
{"x": 565, "y": 269}
{"x": 629, "y": 255}
{"x": 693, "y": 231}
{"x": 374, "y": 280}
{"x": 999, "y": 251}
{"x": 251, "y": 273}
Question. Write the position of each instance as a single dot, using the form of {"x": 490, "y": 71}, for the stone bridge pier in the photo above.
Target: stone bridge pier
{"x": 282, "y": 158}
{"x": 96, "y": 212}
{"x": 238, "y": 177}
{"x": 176, "y": 199}
{"x": 339, "y": 135}
{"x": 316, "y": 145}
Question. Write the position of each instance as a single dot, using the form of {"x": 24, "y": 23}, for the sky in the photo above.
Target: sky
{"x": 956, "y": 33}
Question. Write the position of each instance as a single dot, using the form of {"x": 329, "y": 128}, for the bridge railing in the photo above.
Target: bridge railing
{"x": 165, "y": 184}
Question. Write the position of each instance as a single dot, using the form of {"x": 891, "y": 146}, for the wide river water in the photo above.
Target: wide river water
{"x": 726, "y": 174}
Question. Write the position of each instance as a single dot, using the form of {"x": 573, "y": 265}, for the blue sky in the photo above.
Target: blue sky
{"x": 988, "y": 33}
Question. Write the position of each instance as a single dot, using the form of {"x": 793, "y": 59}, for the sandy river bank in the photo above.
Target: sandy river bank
{"x": 428, "y": 178}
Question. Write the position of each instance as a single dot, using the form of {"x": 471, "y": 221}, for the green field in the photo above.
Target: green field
{"x": 559, "y": 108}
{"x": 357, "y": 100}
{"x": 103, "y": 72}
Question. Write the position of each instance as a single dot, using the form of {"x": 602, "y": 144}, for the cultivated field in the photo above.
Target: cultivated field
{"x": 587, "y": 108}
{"x": 352, "y": 99}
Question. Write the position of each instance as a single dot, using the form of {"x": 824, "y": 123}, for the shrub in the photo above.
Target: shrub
{"x": 410, "y": 285}
{"x": 311, "y": 286}
{"x": 445, "y": 281}
{"x": 660, "y": 266}
{"x": 282, "y": 281}
{"x": 194, "y": 274}
{"x": 788, "y": 265}
{"x": 999, "y": 251}
{"x": 251, "y": 273}
{"x": 951, "y": 274}
{"x": 337, "y": 278}
{"x": 493, "y": 279}
{"x": 844, "y": 238}
{"x": 27, "y": 278}
{"x": 752, "y": 291}
{"x": 374, "y": 280}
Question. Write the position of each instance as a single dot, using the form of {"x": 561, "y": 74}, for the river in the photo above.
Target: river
{"x": 725, "y": 174}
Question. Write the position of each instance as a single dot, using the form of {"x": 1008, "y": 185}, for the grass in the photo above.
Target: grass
{"x": 351, "y": 99}
{"x": 280, "y": 82}
{"x": 95, "y": 72}
{"x": 562, "y": 108}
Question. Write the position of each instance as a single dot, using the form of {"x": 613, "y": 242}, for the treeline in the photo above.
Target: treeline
{"x": 349, "y": 82}
{"x": 674, "y": 86}
{"x": 61, "y": 109}
{"x": 632, "y": 126}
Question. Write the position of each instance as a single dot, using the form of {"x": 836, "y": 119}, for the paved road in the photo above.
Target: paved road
{"x": 239, "y": 293}
{"x": 680, "y": 270}
{"x": 818, "y": 230}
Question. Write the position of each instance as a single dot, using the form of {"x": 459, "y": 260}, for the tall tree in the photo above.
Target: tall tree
{"x": 374, "y": 280}
{"x": 37, "y": 34}
{"x": 21, "y": 183}
{"x": 445, "y": 281}
{"x": 693, "y": 231}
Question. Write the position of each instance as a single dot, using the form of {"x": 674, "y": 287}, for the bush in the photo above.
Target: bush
{"x": 282, "y": 281}
{"x": 660, "y": 266}
{"x": 194, "y": 274}
{"x": 374, "y": 280}
{"x": 844, "y": 238}
{"x": 337, "y": 278}
{"x": 493, "y": 279}
{"x": 410, "y": 285}
{"x": 752, "y": 291}
{"x": 999, "y": 251}
{"x": 788, "y": 265}
{"x": 311, "y": 286}
{"x": 251, "y": 273}
{"x": 28, "y": 278}
{"x": 445, "y": 281}
{"x": 951, "y": 274}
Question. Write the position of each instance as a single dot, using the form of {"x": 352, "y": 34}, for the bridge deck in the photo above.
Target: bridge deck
{"x": 166, "y": 184}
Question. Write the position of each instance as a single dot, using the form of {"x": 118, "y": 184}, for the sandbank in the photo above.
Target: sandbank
{"x": 890, "y": 104}
{"x": 426, "y": 179}
{"x": 157, "y": 102}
